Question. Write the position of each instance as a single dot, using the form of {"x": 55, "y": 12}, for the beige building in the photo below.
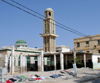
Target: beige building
{"x": 90, "y": 44}
{"x": 49, "y": 34}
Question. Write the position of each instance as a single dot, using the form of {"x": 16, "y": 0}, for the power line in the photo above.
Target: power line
{"x": 72, "y": 29}
{"x": 44, "y": 16}
{"x": 22, "y": 9}
{"x": 27, "y": 8}
{"x": 40, "y": 17}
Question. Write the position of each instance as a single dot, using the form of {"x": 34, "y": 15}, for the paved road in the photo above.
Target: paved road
{"x": 94, "y": 81}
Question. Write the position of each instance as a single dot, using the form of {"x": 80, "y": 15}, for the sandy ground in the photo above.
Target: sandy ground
{"x": 83, "y": 74}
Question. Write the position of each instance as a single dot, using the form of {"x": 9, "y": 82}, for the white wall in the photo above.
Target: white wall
{"x": 65, "y": 50}
{"x": 95, "y": 57}
{"x": 62, "y": 48}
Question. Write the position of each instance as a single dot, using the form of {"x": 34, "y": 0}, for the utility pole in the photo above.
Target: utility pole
{"x": 74, "y": 65}
{"x": 74, "y": 56}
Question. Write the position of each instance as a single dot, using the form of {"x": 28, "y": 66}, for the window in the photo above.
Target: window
{"x": 87, "y": 43}
{"x": 88, "y": 51}
{"x": 45, "y": 26}
{"x": 98, "y": 42}
{"x": 53, "y": 27}
{"x": 49, "y": 13}
{"x": 18, "y": 45}
{"x": 98, "y": 59}
{"x": 45, "y": 43}
{"x": 47, "y": 30}
{"x": 47, "y": 48}
{"x": 78, "y": 44}
{"x": 99, "y": 51}
{"x": 48, "y": 42}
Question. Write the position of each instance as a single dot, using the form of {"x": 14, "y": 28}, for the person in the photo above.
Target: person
{"x": 28, "y": 69}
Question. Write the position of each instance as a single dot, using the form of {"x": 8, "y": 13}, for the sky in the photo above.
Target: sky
{"x": 80, "y": 15}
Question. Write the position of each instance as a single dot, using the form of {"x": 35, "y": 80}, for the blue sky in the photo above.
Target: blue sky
{"x": 81, "y": 15}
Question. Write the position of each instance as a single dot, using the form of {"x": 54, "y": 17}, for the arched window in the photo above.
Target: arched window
{"x": 49, "y": 13}
{"x": 45, "y": 41}
{"x": 53, "y": 27}
{"x": 45, "y": 26}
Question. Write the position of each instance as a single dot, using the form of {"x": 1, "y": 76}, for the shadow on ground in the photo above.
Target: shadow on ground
{"x": 90, "y": 78}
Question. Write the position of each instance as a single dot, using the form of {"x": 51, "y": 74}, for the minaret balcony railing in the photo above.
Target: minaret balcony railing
{"x": 46, "y": 35}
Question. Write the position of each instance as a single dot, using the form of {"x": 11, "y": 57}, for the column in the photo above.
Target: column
{"x": 74, "y": 57}
{"x": 12, "y": 60}
{"x": 25, "y": 63}
{"x": 6, "y": 61}
{"x": 42, "y": 65}
{"x": 10, "y": 64}
{"x": 39, "y": 63}
{"x": 62, "y": 61}
{"x": 54, "y": 62}
{"x": 85, "y": 60}
{"x": 21, "y": 63}
{"x": 74, "y": 65}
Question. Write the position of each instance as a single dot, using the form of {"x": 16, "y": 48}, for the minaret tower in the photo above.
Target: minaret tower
{"x": 49, "y": 34}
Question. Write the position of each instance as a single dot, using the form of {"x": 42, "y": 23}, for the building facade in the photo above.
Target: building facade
{"x": 62, "y": 48}
{"x": 22, "y": 56}
{"x": 96, "y": 61}
{"x": 90, "y": 44}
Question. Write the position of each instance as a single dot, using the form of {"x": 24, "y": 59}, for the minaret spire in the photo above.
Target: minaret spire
{"x": 49, "y": 34}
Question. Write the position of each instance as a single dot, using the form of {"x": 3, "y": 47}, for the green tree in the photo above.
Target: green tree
{"x": 77, "y": 61}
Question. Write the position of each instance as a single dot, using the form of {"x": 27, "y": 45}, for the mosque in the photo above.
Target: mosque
{"x": 51, "y": 57}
